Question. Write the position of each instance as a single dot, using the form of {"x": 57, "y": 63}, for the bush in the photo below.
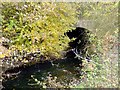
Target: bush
{"x": 38, "y": 26}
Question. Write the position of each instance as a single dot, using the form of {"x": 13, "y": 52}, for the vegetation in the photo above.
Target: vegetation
{"x": 102, "y": 72}
{"x": 38, "y": 26}
{"x": 41, "y": 26}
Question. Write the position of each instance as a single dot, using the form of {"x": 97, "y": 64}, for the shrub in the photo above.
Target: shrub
{"x": 39, "y": 25}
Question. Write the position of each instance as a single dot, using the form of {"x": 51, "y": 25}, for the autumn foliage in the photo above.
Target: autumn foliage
{"x": 38, "y": 26}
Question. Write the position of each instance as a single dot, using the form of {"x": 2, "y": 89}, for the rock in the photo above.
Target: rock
{"x": 3, "y": 50}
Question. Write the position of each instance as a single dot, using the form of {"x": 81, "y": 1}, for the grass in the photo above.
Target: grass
{"x": 102, "y": 72}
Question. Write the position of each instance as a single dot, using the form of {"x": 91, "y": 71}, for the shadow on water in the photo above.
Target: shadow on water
{"x": 66, "y": 72}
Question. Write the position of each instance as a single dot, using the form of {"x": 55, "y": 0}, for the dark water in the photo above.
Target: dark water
{"x": 60, "y": 73}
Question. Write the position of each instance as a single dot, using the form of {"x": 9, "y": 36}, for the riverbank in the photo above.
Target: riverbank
{"x": 56, "y": 74}
{"x": 105, "y": 67}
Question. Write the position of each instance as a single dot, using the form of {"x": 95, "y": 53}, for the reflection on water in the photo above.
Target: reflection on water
{"x": 58, "y": 73}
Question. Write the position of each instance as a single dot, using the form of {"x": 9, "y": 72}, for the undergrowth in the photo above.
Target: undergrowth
{"x": 102, "y": 71}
